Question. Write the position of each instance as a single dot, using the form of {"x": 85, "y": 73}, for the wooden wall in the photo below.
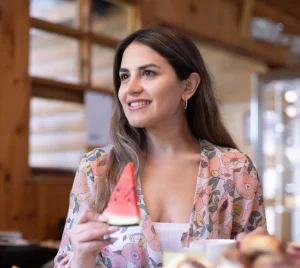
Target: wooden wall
{"x": 52, "y": 195}
{"x": 32, "y": 204}
{"x": 219, "y": 22}
{"x": 231, "y": 75}
{"x": 14, "y": 111}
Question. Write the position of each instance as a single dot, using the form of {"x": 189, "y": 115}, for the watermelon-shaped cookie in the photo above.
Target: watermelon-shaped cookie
{"x": 123, "y": 208}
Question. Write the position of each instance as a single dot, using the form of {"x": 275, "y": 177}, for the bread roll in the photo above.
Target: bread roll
{"x": 233, "y": 258}
{"x": 273, "y": 261}
{"x": 185, "y": 262}
{"x": 254, "y": 243}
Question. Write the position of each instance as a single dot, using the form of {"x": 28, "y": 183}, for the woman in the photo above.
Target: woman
{"x": 189, "y": 172}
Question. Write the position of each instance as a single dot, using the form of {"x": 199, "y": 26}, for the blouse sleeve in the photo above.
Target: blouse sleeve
{"x": 248, "y": 204}
{"x": 82, "y": 197}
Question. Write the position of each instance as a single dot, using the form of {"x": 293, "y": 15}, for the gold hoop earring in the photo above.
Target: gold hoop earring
{"x": 185, "y": 103}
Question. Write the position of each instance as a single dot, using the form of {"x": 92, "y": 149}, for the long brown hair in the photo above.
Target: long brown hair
{"x": 202, "y": 113}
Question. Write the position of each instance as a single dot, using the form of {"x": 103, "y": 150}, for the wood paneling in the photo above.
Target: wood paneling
{"x": 290, "y": 7}
{"x": 216, "y": 22}
{"x": 231, "y": 73}
{"x": 14, "y": 111}
{"x": 72, "y": 32}
{"x": 52, "y": 203}
{"x": 84, "y": 20}
{"x": 32, "y": 205}
{"x": 44, "y": 85}
{"x": 278, "y": 11}
{"x": 29, "y": 218}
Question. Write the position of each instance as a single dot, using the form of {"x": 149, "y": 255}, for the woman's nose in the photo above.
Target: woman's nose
{"x": 134, "y": 86}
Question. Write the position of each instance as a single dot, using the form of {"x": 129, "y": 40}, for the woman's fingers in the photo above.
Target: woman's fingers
{"x": 89, "y": 226}
{"x": 62, "y": 263}
{"x": 85, "y": 249}
{"x": 240, "y": 237}
{"x": 88, "y": 215}
{"x": 90, "y": 234}
{"x": 95, "y": 245}
{"x": 94, "y": 231}
{"x": 259, "y": 230}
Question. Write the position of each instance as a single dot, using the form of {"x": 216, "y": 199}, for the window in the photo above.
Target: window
{"x": 56, "y": 11}
{"x": 72, "y": 46}
{"x": 102, "y": 66}
{"x": 57, "y": 133}
{"x": 53, "y": 56}
{"x": 110, "y": 19}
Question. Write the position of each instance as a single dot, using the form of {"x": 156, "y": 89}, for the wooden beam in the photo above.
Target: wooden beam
{"x": 55, "y": 28}
{"x": 291, "y": 24}
{"x": 98, "y": 38}
{"x": 38, "y": 82}
{"x": 126, "y": 2}
{"x": 104, "y": 40}
{"x": 134, "y": 22}
{"x": 14, "y": 112}
{"x": 84, "y": 20}
{"x": 222, "y": 16}
{"x": 50, "y": 92}
{"x": 42, "y": 175}
{"x": 247, "y": 12}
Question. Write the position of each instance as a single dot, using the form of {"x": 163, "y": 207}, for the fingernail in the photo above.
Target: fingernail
{"x": 113, "y": 240}
{"x": 102, "y": 218}
{"x": 113, "y": 228}
{"x": 106, "y": 237}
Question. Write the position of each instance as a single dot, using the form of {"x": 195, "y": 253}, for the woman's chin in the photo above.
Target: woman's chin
{"x": 138, "y": 124}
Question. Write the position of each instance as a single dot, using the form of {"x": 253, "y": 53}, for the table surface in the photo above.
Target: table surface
{"x": 31, "y": 256}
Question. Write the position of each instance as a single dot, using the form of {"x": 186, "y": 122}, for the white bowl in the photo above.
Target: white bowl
{"x": 213, "y": 249}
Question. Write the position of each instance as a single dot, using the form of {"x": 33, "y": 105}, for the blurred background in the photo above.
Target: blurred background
{"x": 56, "y": 75}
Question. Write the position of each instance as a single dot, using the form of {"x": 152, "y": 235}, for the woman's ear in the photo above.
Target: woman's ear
{"x": 192, "y": 84}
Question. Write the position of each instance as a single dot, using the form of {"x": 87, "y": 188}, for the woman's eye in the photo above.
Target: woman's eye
{"x": 124, "y": 76}
{"x": 148, "y": 73}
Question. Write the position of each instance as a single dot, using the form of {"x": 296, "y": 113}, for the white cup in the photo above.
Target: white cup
{"x": 212, "y": 249}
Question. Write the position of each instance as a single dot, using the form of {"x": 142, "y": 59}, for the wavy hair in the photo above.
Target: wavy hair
{"x": 202, "y": 113}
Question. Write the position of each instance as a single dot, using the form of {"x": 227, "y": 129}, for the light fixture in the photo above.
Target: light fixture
{"x": 291, "y": 111}
{"x": 279, "y": 127}
{"x": 291, "y": 96}
{"x": 293, "y": 155}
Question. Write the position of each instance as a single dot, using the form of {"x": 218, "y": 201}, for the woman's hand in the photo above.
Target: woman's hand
{"x": 88, "y": 236}
{"x": 259, "y": 230}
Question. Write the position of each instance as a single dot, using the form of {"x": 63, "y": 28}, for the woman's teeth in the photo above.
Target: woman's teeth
{"x": 139, "y": 103}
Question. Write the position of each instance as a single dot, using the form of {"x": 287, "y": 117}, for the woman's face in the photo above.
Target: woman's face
{"x": 150, "y": 92}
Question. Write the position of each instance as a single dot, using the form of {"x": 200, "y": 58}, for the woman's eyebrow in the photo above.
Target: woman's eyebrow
{"x": 147, "y": 66}
{"x": 125, "y": 70}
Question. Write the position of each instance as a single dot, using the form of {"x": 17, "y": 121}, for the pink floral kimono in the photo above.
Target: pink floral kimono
{"x": 228, "y": 200}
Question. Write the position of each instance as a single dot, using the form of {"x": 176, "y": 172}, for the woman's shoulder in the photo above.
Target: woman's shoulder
{"x": 90, "y": 168}
{"x": 95, "y": 160}
{"x": 228, "y": 156}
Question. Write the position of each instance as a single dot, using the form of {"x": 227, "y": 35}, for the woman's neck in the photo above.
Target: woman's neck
{"x": 167, "y": 140}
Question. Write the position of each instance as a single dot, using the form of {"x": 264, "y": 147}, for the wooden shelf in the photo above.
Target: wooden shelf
{"x": 49, "y": 84}
{"x": 55, "y": 28}
{"x": 100, "y": 39}
{"x": 126, "y": 2}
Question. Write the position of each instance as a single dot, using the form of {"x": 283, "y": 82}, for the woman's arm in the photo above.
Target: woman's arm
{"x": 248, "y": 201}
{"x": 82, "y": 198}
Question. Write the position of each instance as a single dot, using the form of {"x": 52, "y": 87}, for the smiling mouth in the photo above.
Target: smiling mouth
{"x": 138, "y": 103}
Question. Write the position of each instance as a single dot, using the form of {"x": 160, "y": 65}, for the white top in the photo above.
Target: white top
{"x": 170, "y": 234}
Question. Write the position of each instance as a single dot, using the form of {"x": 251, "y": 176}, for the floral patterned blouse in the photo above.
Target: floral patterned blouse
{"x": 228, "y": 200}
